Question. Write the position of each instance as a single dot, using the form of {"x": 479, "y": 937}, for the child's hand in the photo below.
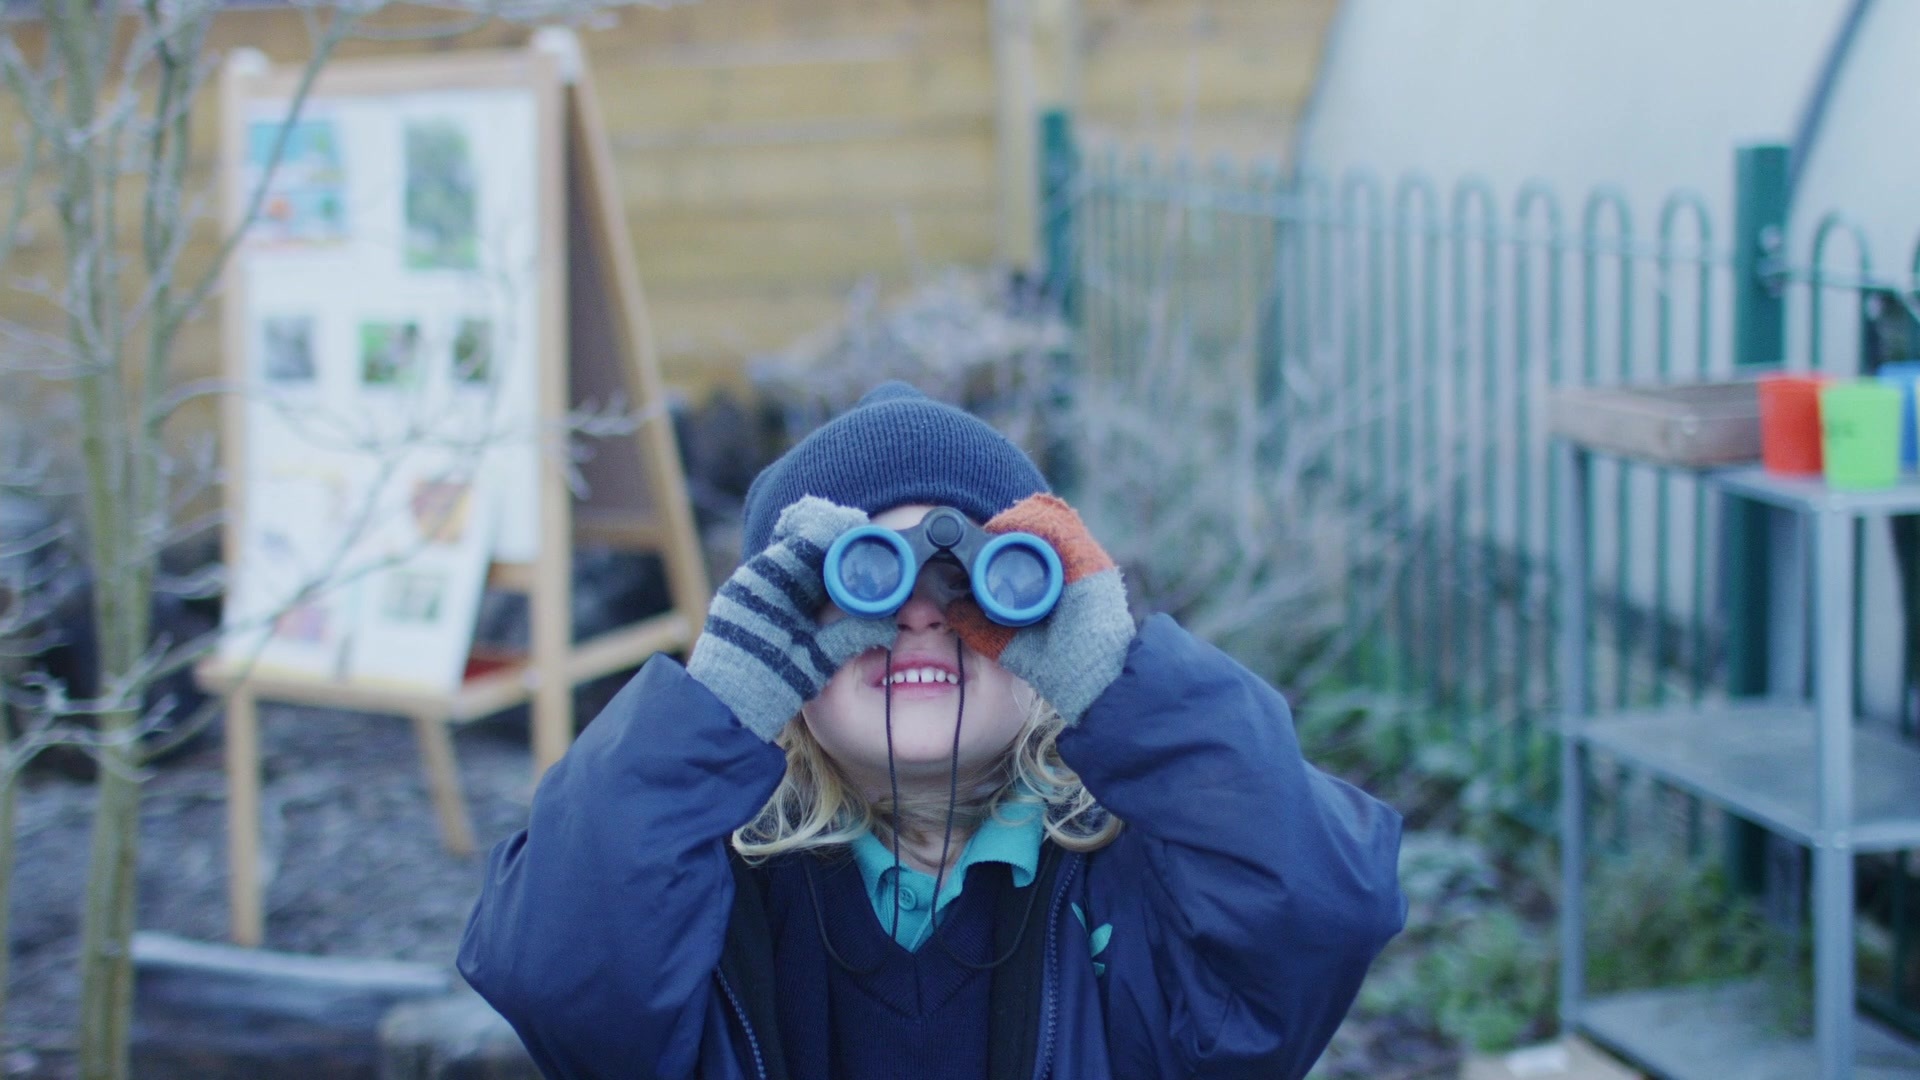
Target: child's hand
{"x": 763, "y": 652}
{"x": 1072, "y": 655}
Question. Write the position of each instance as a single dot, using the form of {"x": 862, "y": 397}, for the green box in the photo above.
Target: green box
{"x": 1860, "y": 435}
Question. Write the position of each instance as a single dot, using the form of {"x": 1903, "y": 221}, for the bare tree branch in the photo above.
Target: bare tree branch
{"x": 345, "y": 18}
{"x": 23, "y": 177}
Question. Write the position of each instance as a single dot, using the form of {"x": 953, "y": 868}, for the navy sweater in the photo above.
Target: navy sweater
{"x": 890, "y": 1013}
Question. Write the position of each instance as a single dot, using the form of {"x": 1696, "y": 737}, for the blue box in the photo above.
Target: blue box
{"x": 1905, "y": 373}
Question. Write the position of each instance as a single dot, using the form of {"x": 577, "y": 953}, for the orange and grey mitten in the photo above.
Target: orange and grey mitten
{"x": 1071, "y": 656}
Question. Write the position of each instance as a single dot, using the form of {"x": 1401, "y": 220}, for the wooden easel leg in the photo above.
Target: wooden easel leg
{"x": 243, "y": 818}
{"x": 443, "y": 783}
{"x": 552, "y": 721}
{"x": 550, "y": 618}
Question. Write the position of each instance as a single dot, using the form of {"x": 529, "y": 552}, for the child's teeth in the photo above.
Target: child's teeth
{"x": 922, "y": 675}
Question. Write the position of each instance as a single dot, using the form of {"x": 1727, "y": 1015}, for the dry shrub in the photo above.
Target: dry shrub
{"x": 972, "y": 338}
{"x": 1226, "y": 503}
{"x": 1229, "y": 504}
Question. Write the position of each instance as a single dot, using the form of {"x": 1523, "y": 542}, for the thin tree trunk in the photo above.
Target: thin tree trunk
{"x": 86, "y": 176}
{"x": 106, "y": 961}
{"x": 120, "y": 611}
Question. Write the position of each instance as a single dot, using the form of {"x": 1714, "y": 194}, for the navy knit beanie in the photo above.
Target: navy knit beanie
{"x": 896, "y": 446}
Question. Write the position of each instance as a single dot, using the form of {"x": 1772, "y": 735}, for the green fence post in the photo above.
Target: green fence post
{"x": 1059, "y": 173}
{"x": 1759, "y": 342}
{"x": 1059, "y": 199}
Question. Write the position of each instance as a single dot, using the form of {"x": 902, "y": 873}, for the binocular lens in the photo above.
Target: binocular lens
{"x": 1016, "y": 579}
{"x": 870, "y": 569}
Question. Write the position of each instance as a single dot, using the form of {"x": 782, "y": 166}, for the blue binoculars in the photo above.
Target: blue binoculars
{"x": 1015, "y": 577}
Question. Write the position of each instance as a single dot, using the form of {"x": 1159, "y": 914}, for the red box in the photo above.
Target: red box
{"x": 1790, "y": 424}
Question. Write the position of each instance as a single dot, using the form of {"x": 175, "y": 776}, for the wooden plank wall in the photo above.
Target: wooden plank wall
{"x": 1203, "y": 77}
{"x": 774, "y": 152}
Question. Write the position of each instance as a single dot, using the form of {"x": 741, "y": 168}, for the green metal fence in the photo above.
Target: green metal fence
{"x": 1444, "y": 315}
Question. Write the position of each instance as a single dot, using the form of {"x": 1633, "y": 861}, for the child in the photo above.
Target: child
{"x": 927, "y": 846}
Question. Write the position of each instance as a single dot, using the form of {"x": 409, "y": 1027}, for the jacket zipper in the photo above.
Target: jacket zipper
{"x": 1051, "y": 977}
{"x": 759, "y": 1065}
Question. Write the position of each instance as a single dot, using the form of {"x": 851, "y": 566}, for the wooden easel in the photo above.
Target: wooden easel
{"x": 595, "y": 341}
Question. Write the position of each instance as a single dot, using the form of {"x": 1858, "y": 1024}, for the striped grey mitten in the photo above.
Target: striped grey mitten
{"x": 764, "y": 652}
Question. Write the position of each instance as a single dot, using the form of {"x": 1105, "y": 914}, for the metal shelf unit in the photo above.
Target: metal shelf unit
{"x": 1730, "y": 1032}
{"x": 1800, "y": 769}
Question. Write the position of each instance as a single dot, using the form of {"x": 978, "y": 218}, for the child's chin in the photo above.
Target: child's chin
{"x": 913, "y": 695}
{"x": 929, "y": 759}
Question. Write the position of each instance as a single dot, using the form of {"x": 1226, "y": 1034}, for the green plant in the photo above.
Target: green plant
{"x": 1494, "y": 984}
{"x": 1480, "y": 958}
{"x": 1659, "y": 919}
{"x": 1477, "y": 962}
{"x": 1401, "y": 750}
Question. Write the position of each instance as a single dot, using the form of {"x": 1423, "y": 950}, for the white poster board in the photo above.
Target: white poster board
{"x": 391, "y": 355}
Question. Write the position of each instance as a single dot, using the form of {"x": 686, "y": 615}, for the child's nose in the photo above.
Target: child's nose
{"x": 925, "y": 609}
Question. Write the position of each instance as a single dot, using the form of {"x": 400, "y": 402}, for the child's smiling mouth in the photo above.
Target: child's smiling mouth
{"x": 920, "y": 675}
{"x": 914, "y": 677}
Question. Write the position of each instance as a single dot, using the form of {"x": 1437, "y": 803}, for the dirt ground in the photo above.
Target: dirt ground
{"x": 354, "y": 858}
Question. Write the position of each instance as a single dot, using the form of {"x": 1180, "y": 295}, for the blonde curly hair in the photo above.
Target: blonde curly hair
{"x": 815, "y": 807}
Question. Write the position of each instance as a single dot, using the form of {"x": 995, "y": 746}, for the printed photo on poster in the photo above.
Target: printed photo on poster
{"x": 442, "y": 198}
{"x": 473, "y": 352}
{"x": 416, "y": 626}
{"x": 309, "y": 623}
{"x": 414, "y": 596}
{"x": 305, "y": 200}
{"x": 441, "y": 510}
{"x": 389, "y": 355}
{"x": 282, "y": 611}
{"x": 286, "y": 349}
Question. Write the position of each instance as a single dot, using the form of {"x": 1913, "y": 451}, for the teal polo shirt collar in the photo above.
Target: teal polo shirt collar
{"x": 1012, "y": 836}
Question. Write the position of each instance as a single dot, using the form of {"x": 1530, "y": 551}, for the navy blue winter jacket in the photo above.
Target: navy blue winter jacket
{"x": 1247, "y": 895}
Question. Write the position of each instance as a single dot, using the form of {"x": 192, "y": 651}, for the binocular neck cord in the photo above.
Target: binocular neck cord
{"x": 946, "y": 841}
